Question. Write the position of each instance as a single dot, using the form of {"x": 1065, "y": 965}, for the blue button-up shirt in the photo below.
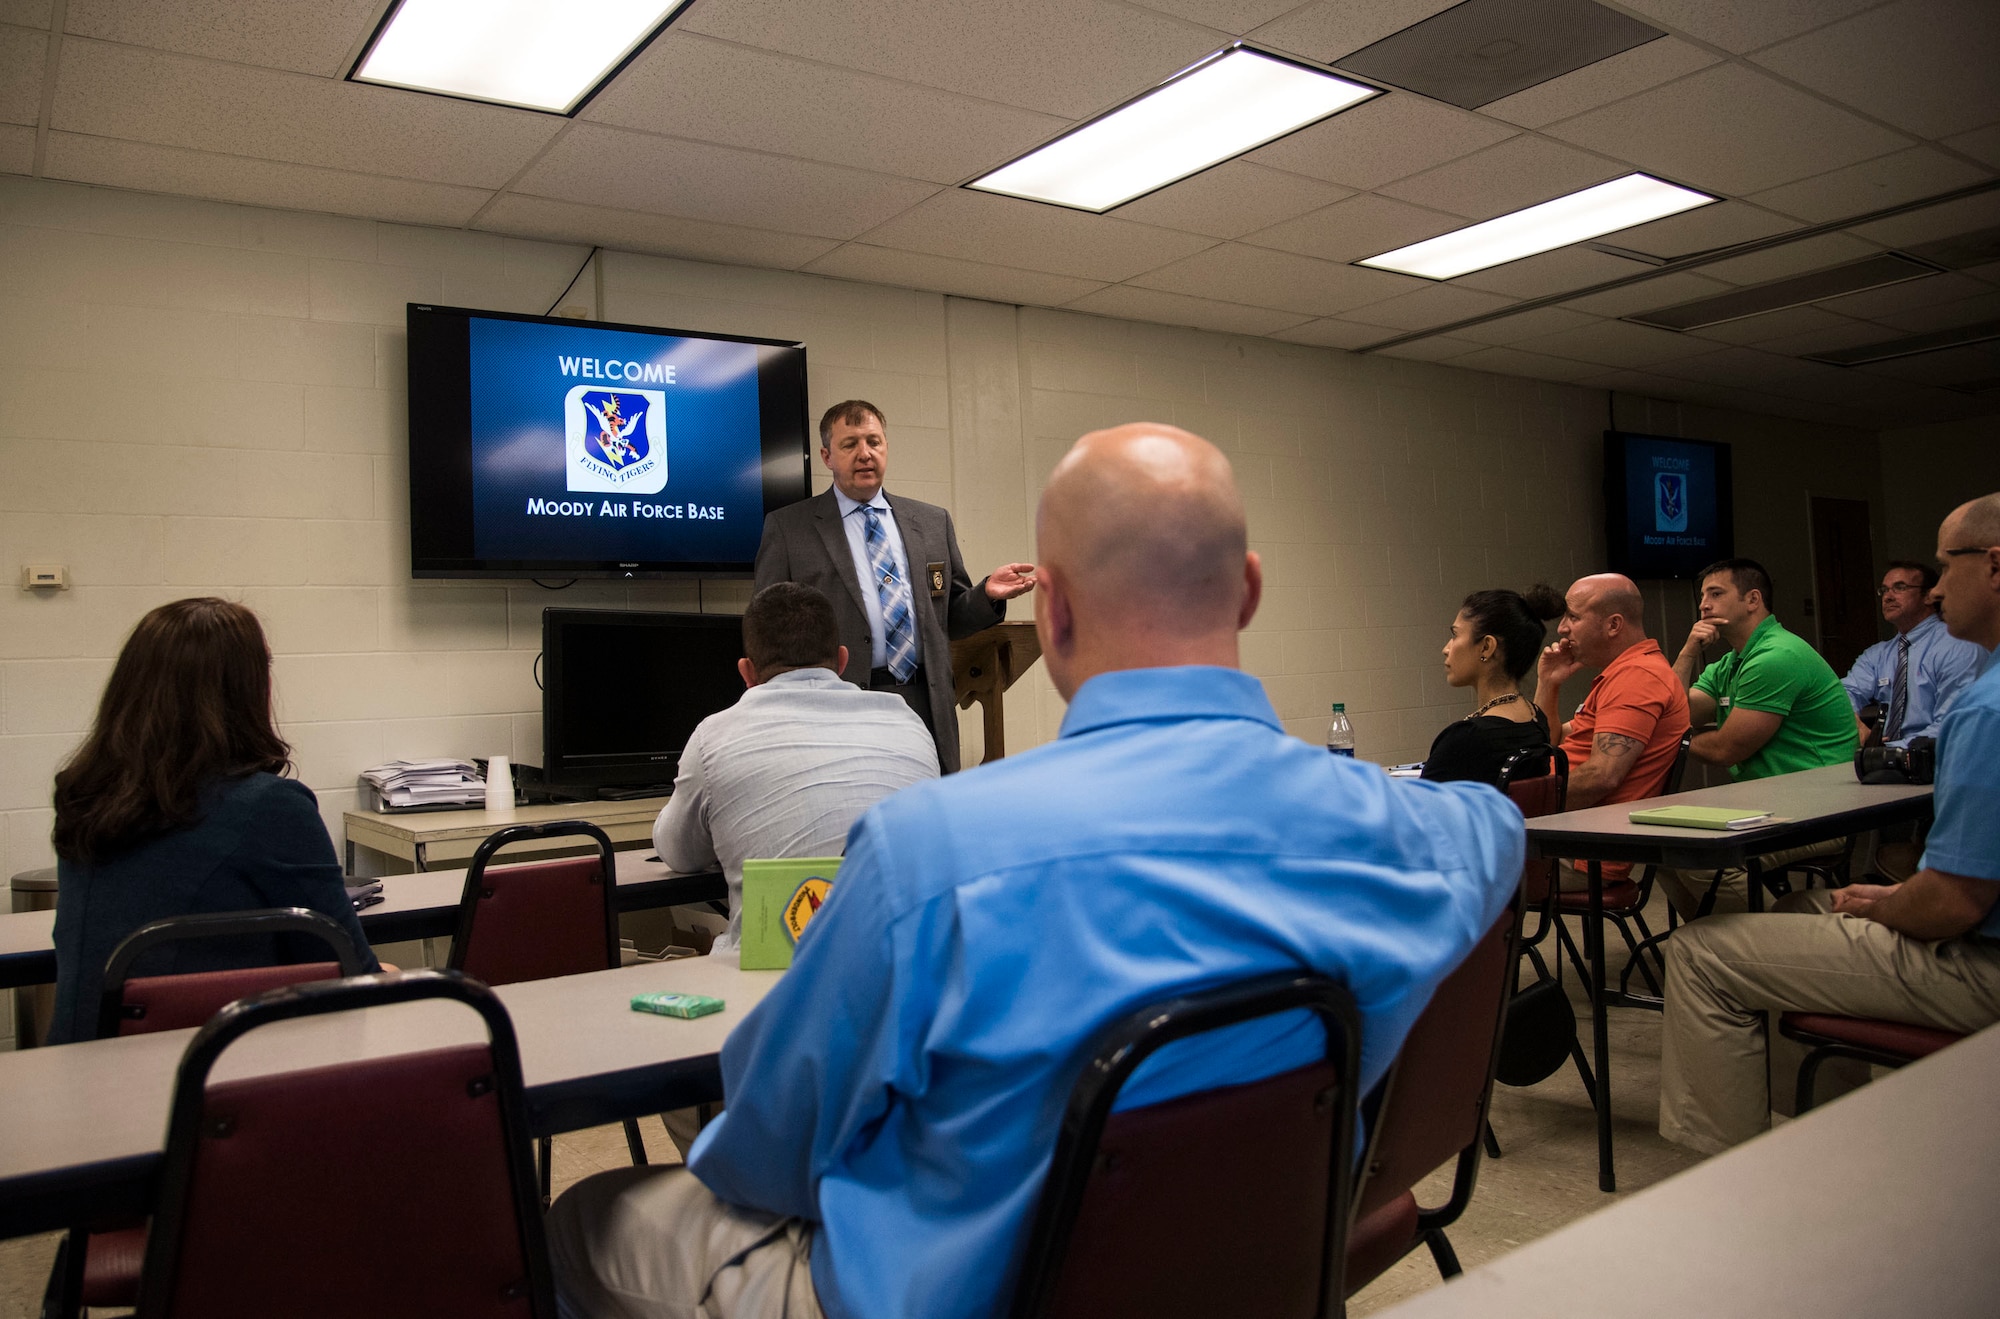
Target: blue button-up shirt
{"x": 903, "y": 1084}
{"x": 1941, "y": 666}
{"x": 1965, "y": 836}
{"x": 855, "y": 523}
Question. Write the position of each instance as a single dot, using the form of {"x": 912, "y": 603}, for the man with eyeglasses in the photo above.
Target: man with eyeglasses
{"x": 1915, "y": 675}
{"x": 1926, "y": 951}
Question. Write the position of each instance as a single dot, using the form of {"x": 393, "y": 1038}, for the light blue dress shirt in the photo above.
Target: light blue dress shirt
{"x": 855, "y": 524}
{"x": 1965, "y": 835}
{"x": 903, "y": 1084}
{"x": 1941, "y": 666}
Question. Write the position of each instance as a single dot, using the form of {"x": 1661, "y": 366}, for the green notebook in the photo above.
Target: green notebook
{"x": 779, "y": 899}
{"x": 1702, "y": 817}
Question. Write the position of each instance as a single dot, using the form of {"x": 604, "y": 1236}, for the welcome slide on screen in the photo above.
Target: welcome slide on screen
{"x": 603, "y": 444}
{"x": 1671, "y": 498}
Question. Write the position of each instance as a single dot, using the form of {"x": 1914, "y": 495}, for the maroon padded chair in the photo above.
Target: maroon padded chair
{"x": 1227, "y": 1201}
{"x": 385, "y": 1187}
{"x": 101, "y": 1268}
{"x": 1870, "y": 1039}
{"x": 540, "y": 920}
{"x": 1434, "y": 1111}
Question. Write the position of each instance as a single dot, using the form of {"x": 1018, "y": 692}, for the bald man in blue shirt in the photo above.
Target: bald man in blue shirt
{"x": 893, "y": 1103}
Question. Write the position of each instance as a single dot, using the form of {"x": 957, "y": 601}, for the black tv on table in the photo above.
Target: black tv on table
{"x": 622, "y": 691}
{"x": 542, "y": 447}
{"x": 1669, "y": 506}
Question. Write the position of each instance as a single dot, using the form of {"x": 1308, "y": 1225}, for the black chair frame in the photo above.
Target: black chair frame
{"x": 1558, "y": 764}
{"x": 217, "y": 925}
{"x": 1820, "y": 1049}
{"x": 1127, "y": 1043}
{"x": 468, "y": 912}
{"x": 316, "y": 999}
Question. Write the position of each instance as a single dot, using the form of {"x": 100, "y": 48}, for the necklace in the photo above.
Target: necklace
{"x": 1498, "y": 700}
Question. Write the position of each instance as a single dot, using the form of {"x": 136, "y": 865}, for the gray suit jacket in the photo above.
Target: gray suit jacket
{"x": 805, "y": 543}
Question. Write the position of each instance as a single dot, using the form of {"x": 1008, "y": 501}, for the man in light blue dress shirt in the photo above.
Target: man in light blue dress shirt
{"x": 894, "y": 1101}
{"x": 1916, "y": 674}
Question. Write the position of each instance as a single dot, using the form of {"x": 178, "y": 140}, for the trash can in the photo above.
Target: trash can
{"x": 34, "y": 1005}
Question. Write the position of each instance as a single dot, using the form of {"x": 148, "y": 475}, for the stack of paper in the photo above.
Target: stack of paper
{"x": 402, "y": 783}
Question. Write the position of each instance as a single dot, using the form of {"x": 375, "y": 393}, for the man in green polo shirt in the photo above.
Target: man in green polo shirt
{"x": 1778, "y": 707}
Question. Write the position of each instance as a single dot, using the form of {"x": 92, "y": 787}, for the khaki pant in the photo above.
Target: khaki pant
{"x": 654, "y": 1243}
{"x": 1685, "y": 888}
{"x": 1726, "y": 972}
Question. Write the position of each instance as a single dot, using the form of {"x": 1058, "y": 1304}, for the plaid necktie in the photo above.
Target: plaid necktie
{"x": 899, "y": 637}
{"x": 1899, "y": 702}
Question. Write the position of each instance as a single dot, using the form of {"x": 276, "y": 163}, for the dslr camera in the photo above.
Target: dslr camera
{"x": 1915, "y": 763}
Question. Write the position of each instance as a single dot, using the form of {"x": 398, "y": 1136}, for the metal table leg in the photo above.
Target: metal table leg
{"x": 1600, "y": 1040}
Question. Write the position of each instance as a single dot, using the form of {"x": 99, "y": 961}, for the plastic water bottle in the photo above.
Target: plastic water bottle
{"x": 1340, "y": 733}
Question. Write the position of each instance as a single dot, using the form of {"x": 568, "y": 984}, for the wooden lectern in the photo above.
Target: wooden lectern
{"x": 985, "y": 665}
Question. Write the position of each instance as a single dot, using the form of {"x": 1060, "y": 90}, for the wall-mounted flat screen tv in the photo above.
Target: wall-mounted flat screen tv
{"x": 1669, "y": 508}
{"x": 557, "y": 448}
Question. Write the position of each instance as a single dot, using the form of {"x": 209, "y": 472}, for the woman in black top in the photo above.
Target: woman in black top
{"x": 1495, "y": 640}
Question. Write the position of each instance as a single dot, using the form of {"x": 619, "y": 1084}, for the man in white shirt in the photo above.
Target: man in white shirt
{"x": 796, "y": 760}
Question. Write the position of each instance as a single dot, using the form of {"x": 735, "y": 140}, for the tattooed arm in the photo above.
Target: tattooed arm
{"x": 1612, "y": 756}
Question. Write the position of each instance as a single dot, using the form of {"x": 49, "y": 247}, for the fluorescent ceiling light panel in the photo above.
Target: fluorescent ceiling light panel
{"x": 536, "y": 54}
{"x": 1604, "y": 209}
{"x": 1222, "y": 107}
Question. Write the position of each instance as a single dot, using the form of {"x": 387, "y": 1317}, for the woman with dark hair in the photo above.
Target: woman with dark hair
{"x": 1495, "y": 639}
{"x": 173, "y": 806}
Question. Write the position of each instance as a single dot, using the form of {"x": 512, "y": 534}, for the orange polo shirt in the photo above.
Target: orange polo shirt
{"x": 1637, "y": 696}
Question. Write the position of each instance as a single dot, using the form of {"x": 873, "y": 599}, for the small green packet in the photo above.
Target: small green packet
{"x": 676, "y": 1005}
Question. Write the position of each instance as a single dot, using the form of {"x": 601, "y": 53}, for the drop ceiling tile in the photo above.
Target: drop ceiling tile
{"x": 664, "y": 235}
{"x": 1438, "y": 349}
{"x": 279, "y": 184}
{"x": 1665, "y": 291}
{"x": 1514, "y": 174}
{"x": 1635, "y": 70}
{"x": 1526, "y": 325}
{"x": 1335, "y": 333}
{"x": 1063, "y": 57}
{"x": 27, "y": 13}
{"x": 1791, "y": 259}
{"x": 1174, "y": 309}
{"x": 1947, "y": 220}
{"x": 980, "y": 226}
{"x": 1617, "y": 343}
{"x": 1719, "y": 224}
{"x": 702, "y": 181}
{"x": 1231, "y": 200}
{"x": 1845, "y": 334}
{"x": 1981, "y": 144}
{"x": 1232, "y": 16}
{"x": 317, "y": 38}
{"x": 1885, "y": 181}
{"x": 1948, "y": 315}
{"x": 692, "y": 86}
{"x": 1362, "y": 226}
{"x": 17, "y": 149}
{"x": 1437, "y": 304}
{"x": 1559, "y": 271}
{"x": 1751, "y": 368}
{"x": 1741, "y": 27}
{"x": 1515, "y": 362}
{"x": 22, "y": 51}
{"x": 1729, "y": 130}
{"x": 175, "y": 101}
{"x": 1947, "y": 367}
{"x": 1790, "y": 323}
{"x": 944, "y": 274}
{"x": 1926, "y": 66}
{"x": 1332, "y": 28}
{"x": 1387, "y": 138}
{"x": 1232, "y": 272}
{"x": 1902, "y": 305}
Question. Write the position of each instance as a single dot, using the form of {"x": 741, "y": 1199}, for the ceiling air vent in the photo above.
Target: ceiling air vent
{"x": 1482, "y": 50}
{"x": 1816, "y": 286}
{"x": 1910, "y": 345}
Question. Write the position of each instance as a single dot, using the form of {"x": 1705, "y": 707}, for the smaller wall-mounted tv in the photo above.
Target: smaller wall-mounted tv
{"x": 1669, "y": 508}
{"x": 623, "y": 690}
{"x": 542, "y": 447}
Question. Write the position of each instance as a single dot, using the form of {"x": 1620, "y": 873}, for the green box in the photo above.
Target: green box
{"x": 779, "y": 898}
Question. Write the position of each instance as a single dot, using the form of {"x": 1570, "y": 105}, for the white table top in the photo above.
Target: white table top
{"x": 1879, "y": 1203}
{"x": 76, "y": 1106}
{"x": 1828, "y": 801}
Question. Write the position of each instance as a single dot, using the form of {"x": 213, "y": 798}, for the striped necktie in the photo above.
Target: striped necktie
{"x": 1899, "y": 702}
{"x": 899, "y": 634}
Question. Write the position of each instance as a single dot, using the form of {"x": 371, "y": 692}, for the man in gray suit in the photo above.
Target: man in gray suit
{"x": 891, "y": 568}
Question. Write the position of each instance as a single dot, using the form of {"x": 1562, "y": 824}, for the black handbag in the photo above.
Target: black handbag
{"x": 1538, "y": 1036}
